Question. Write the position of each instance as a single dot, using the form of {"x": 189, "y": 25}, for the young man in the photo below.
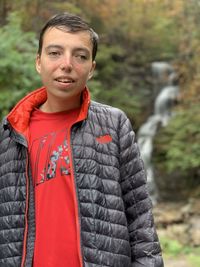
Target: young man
{"x": 73, "y": 187}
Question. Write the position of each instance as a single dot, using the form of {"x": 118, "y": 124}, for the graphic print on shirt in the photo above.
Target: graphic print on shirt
{"x": 51, "y": 157}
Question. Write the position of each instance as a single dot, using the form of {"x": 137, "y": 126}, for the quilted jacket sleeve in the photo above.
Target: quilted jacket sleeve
{"x": 145, "y": 247}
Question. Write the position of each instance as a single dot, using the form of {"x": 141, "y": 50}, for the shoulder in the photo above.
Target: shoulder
{"x": 109, "y": 116}
{"x": 3, "y": 128}
{"x": 107, "y": 110}
{"x": 4, "y": 137}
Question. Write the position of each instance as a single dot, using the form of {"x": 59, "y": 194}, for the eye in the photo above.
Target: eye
{"x": 54, "y": 53}
{"x": 81, "y": 57}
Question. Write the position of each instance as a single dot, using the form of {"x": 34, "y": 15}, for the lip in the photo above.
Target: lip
{"x": 64, "y": 80}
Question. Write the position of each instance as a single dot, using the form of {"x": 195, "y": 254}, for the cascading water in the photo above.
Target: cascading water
{"x": 166, "y": 85}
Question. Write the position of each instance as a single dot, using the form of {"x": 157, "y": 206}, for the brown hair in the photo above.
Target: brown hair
{"x": 74, "y": 24}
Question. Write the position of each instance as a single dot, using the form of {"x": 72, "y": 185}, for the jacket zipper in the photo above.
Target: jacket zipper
{"x": 26, "y": 216}
{"x": 76, "y": 204}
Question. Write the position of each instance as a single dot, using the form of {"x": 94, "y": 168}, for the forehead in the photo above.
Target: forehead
{"x": 63, "y": 36}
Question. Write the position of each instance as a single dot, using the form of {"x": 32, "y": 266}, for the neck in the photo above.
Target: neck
{"x": 61, "y": 105}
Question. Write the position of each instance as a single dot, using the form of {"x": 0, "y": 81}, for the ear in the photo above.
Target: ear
{"x": 38, "y": 63}
{"x": 92, "y": 70}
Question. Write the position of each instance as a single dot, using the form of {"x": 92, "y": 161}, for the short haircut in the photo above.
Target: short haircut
{"x": 72, "y": 22}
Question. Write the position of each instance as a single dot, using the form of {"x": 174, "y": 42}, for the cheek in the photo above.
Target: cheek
{"x": 48, "y": 69}
{"x": 82, "y": 71}
{"x": 79, "y": 69}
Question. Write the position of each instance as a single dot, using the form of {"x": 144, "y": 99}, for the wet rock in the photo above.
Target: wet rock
{"x": 179, "y": 221}
{"x": 194, "y": 230}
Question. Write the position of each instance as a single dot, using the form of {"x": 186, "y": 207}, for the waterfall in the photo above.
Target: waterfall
{"x": 166, "y": 84}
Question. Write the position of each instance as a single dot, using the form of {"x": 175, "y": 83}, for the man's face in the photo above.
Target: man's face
{"x": 65, "y": 64}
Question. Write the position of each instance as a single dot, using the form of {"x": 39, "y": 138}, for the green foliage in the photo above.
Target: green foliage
{"x": 116, "y": 88}
{"x": 107, "y": 64}
{"x": 95, "y": 86}
{"x": 164, "y": 39}
{"x": 145, "y": 29}
{"x": 17, "y": 70}
{"x": 121, "y": 95}
{"x": 194, "y": 259}
{"x": 178, "y": 145}
{"x": 171, "y": 248}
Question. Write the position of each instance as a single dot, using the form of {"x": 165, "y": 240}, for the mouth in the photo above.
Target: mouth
{"x": 64, "y": 80}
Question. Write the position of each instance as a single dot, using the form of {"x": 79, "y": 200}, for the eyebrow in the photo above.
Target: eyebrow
{"x": 53, "y": 46}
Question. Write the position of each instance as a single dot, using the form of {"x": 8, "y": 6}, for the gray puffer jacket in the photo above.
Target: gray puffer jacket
{"x": 115, "y": 212}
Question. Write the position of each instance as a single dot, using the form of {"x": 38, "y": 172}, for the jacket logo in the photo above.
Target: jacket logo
{"x": 104, "y": 139}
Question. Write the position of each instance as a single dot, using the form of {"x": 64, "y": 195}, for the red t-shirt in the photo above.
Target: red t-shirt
{"x": 56, "y": 243}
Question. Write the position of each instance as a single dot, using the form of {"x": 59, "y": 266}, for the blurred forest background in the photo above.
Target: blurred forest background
{"x": 133, "y": 34}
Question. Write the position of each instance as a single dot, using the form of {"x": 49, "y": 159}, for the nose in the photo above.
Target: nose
{"x": 66, "y": 64}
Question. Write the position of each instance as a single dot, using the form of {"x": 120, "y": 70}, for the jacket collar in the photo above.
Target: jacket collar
{"x": 19, "y": 116}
